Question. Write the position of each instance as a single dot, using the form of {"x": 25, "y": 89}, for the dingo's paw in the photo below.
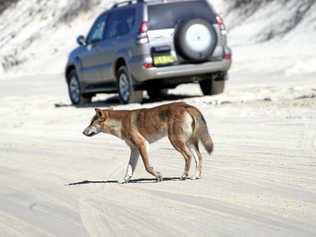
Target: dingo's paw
{"x": 183, "y": 177}
{"x": 159, "y": 177}
{"x": 124, "y": 180}
{"x": 195, "y": 177}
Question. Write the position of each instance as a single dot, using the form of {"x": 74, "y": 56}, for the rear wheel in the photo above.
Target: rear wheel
{"x": 212, "y": 86}
{"x": 74, "y": 90}
{"x": 126, "y": 89}
{"x": 157, "y": 93}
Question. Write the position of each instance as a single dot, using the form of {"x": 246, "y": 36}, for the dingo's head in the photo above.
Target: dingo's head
{"x": 97, "y": 123}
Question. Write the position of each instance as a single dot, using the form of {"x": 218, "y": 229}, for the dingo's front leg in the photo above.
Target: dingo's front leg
{"x": 143, "y": 149}
{"x": 131, "y": 165}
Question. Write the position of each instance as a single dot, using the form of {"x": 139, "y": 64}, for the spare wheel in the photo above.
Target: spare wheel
{"x": 195, "y": 40}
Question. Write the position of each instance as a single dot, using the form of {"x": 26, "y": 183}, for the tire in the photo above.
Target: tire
{"x": 157, "y": 93}
{"x": 127, "y": 92}
{"x": 212, "y": 87}
{"x": 74, "y": 90}
{"x": 195, "y": 40}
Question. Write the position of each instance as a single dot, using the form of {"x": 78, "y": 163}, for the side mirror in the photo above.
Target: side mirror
{"x": 81, "y": 40}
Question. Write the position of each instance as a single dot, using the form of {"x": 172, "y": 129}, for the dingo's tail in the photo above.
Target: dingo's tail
{"x": 204, "y": 136}
{"x": 201, "y": 129}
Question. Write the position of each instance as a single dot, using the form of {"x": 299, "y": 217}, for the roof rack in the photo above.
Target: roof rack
{"x": 124, "y": 3}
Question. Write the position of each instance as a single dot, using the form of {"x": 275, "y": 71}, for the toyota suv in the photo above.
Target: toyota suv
{"x": 151, "y": 46}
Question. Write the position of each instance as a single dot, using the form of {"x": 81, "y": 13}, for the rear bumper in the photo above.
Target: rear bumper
{"x": 142, "y": 74}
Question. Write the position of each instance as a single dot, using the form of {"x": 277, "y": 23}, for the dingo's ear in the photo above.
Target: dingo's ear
{"x": 98, "y": 112}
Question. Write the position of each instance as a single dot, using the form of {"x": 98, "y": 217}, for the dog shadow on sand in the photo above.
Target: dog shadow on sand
{"x": 115, "y": 101}
{"x": 132, "y": 181}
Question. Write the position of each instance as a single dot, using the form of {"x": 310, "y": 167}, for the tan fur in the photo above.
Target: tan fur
{"x": 184, "y": 125}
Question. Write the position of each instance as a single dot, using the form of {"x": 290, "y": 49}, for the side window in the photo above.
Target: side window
{"x": 120, "y": 23}
{"x": 97, "y": 31}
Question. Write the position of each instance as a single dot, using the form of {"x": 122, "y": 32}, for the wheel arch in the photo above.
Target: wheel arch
{"x": 118, "y": 63}
{"x": 69, "y": 69}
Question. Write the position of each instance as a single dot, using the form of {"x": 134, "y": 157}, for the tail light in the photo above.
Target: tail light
{"x": 220, "y": 22}
{"x": 228, "y": 56}
{"x": 148, "y": 65}
{"x": 143, "y": 27}
{"x": 143, "y": 36}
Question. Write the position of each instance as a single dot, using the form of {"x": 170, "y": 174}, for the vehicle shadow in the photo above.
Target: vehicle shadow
{"x": 109, "y": 102}
{"x": 132, "y": 181}
{"x": 169, "y": 97}
{"x": 115, "y": 101}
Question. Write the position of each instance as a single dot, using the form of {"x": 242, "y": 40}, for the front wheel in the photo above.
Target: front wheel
{"x": 126, "y": 89}
{"x": 74, "y": 90}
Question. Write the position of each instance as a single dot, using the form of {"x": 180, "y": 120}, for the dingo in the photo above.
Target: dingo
{"x": 184, "y": 125}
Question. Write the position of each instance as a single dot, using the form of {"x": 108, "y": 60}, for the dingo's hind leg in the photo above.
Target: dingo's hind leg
{"x": 186, "y": 153}
{"x": 180, "y": 135}
{"x": 198, "y": 160}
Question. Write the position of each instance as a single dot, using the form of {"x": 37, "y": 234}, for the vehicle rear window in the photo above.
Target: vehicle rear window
{"x": 167, "y": 15}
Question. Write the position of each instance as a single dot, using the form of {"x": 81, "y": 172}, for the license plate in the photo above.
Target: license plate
{"x": 163, "y": 60}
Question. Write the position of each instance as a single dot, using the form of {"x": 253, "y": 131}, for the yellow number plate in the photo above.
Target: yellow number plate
{"x": 163, "y": 59}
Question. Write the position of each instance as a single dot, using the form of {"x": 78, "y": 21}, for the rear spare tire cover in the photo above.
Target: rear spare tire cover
{"x": 195, "y": 40}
